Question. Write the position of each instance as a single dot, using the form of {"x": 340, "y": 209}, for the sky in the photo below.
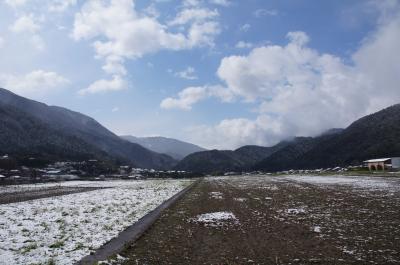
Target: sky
{"x": 217, "y": 73}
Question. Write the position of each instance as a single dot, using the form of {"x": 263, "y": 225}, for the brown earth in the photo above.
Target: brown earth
{"x": 280, "y": 221}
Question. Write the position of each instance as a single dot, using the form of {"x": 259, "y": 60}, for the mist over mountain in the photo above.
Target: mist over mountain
{"x": 375, "y": 135}
{"x": 33, "y": 128}
{"x": 172, "y": 147}
{"x": 226, "y": 160}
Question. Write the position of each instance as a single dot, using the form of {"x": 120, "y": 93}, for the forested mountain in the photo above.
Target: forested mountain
{"x": 222, "y": 161}
{"x": 376, "y": 135}
{"x": 33, "y": 128}
{"x": 172, "y": 147}
{"x": 373, "y": 136}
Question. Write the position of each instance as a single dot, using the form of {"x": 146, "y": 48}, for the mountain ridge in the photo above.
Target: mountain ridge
{"x": 65, "y": 124}
{"x": 375, "y": 135}
{"x": 175, "y": 148}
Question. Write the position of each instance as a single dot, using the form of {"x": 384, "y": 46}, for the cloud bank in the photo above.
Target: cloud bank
{"x": 119, "y": 33}
{"x": 299, "y": 91}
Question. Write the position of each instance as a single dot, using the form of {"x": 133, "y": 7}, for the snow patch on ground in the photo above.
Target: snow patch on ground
{"x": 216, "y": 195}
{"x": 317, "y": 229}
{"x": 295, "y": 211}
{"x": 361, "y": 182}
{"x": 66, "y": 228}
{"x": 216, "y": 219}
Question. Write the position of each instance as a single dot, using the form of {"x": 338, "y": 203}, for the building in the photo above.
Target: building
{"x": 383, "y": 163}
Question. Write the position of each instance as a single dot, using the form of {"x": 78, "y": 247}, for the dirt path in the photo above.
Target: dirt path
{"x": 278, "y": 222}
{"x": 133, "y": 232}
{"x": 22, "y": 196}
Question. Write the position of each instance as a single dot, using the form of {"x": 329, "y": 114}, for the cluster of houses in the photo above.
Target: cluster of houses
{"x": 93, "y": 169}
{"x": 373, "y": 165}
{"x": 320, "y": 170}
{"x": 10, "y": 173}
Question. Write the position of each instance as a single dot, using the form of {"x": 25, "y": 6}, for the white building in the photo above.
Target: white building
{"x": 383, "y": 163}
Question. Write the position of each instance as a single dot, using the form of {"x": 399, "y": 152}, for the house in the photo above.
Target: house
{"x": 383, "y": 163}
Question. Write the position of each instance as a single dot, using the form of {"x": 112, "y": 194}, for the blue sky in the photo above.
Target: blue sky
{"x": 218, "y": 73}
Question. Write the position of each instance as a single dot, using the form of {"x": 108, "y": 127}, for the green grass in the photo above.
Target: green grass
{"x": 28, "y": 248}
{"x": 57, "y": 244}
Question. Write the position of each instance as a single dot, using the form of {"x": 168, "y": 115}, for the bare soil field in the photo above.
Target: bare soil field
{"x": 276, "y": 220}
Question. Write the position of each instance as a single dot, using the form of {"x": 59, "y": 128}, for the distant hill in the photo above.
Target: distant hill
{"x": 172, "y": 147}
{"x": 376, "y": 135}
{"x": 222, "y": 161}
{"x": 32, "y": 128}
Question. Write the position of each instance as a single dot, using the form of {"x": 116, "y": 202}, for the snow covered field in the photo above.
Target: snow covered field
{"x": 41, "y": 186}
{"x": 358, "y": 182}
{"x": 64, "y": 229}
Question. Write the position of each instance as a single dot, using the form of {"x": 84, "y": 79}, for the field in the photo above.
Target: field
{"x": 277, "y": 220}
{"x": 62, "y": 229}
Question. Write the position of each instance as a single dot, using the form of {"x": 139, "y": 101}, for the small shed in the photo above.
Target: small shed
{"x": 383, "y": 163}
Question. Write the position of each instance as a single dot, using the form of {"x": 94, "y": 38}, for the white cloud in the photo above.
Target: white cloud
{"x": 191, "y": 3}
{"x": 245, "y": 27}
{"x": 191, "y": 95}
{"x": 299, "y": 87}
{"x": 375, "y": 59}
{"x": 244, "y": 45}
{"x": 35, "y": 83}
{"x": 114, "y": 65}
{"x": 152, "y": 11}
{"x": 119, "y": 32}
{"x": 2, "y": 41}
{"x": 16, "y": 3}
{"x": 186, "y": 98}
{"x": 298, "y": 37}
{"x": 189, "y": 74}
{"x": 302, "y": 92}
{"x": 203, "y": 34}
{"x": 265, "y": 12}
{"x": 29, "y": 24}
{"x": 25, "y": 23}
{"x": 233, "y": 133}
{"x": 61, "y": 5}
{"x": 193, "y": 15}
{"x": 103, "y": 85}
{"x": 115, "y": 109}
{"x": 200, "y": 23}
{"x": 38, "y": 42}
{"x": 220, "y": 2}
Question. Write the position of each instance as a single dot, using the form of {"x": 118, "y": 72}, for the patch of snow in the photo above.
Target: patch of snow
{"x": 66, "y": 228}
{"x": 216, "y": 195}
{"x": 317, "y": 229}
{"x": 240, "y": 199}
{"x": 216, "y": 219}
{"x": 295, "y": 211}
{"x": 360, "y": 182}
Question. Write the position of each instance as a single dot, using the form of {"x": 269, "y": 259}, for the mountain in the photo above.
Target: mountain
{"x": 215, "y": 161}
{"x": 332, "y": 131}
{"x": 172, "y": 147}
{"x": 375, "y": 135}
{"x": 30, "y": 128}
